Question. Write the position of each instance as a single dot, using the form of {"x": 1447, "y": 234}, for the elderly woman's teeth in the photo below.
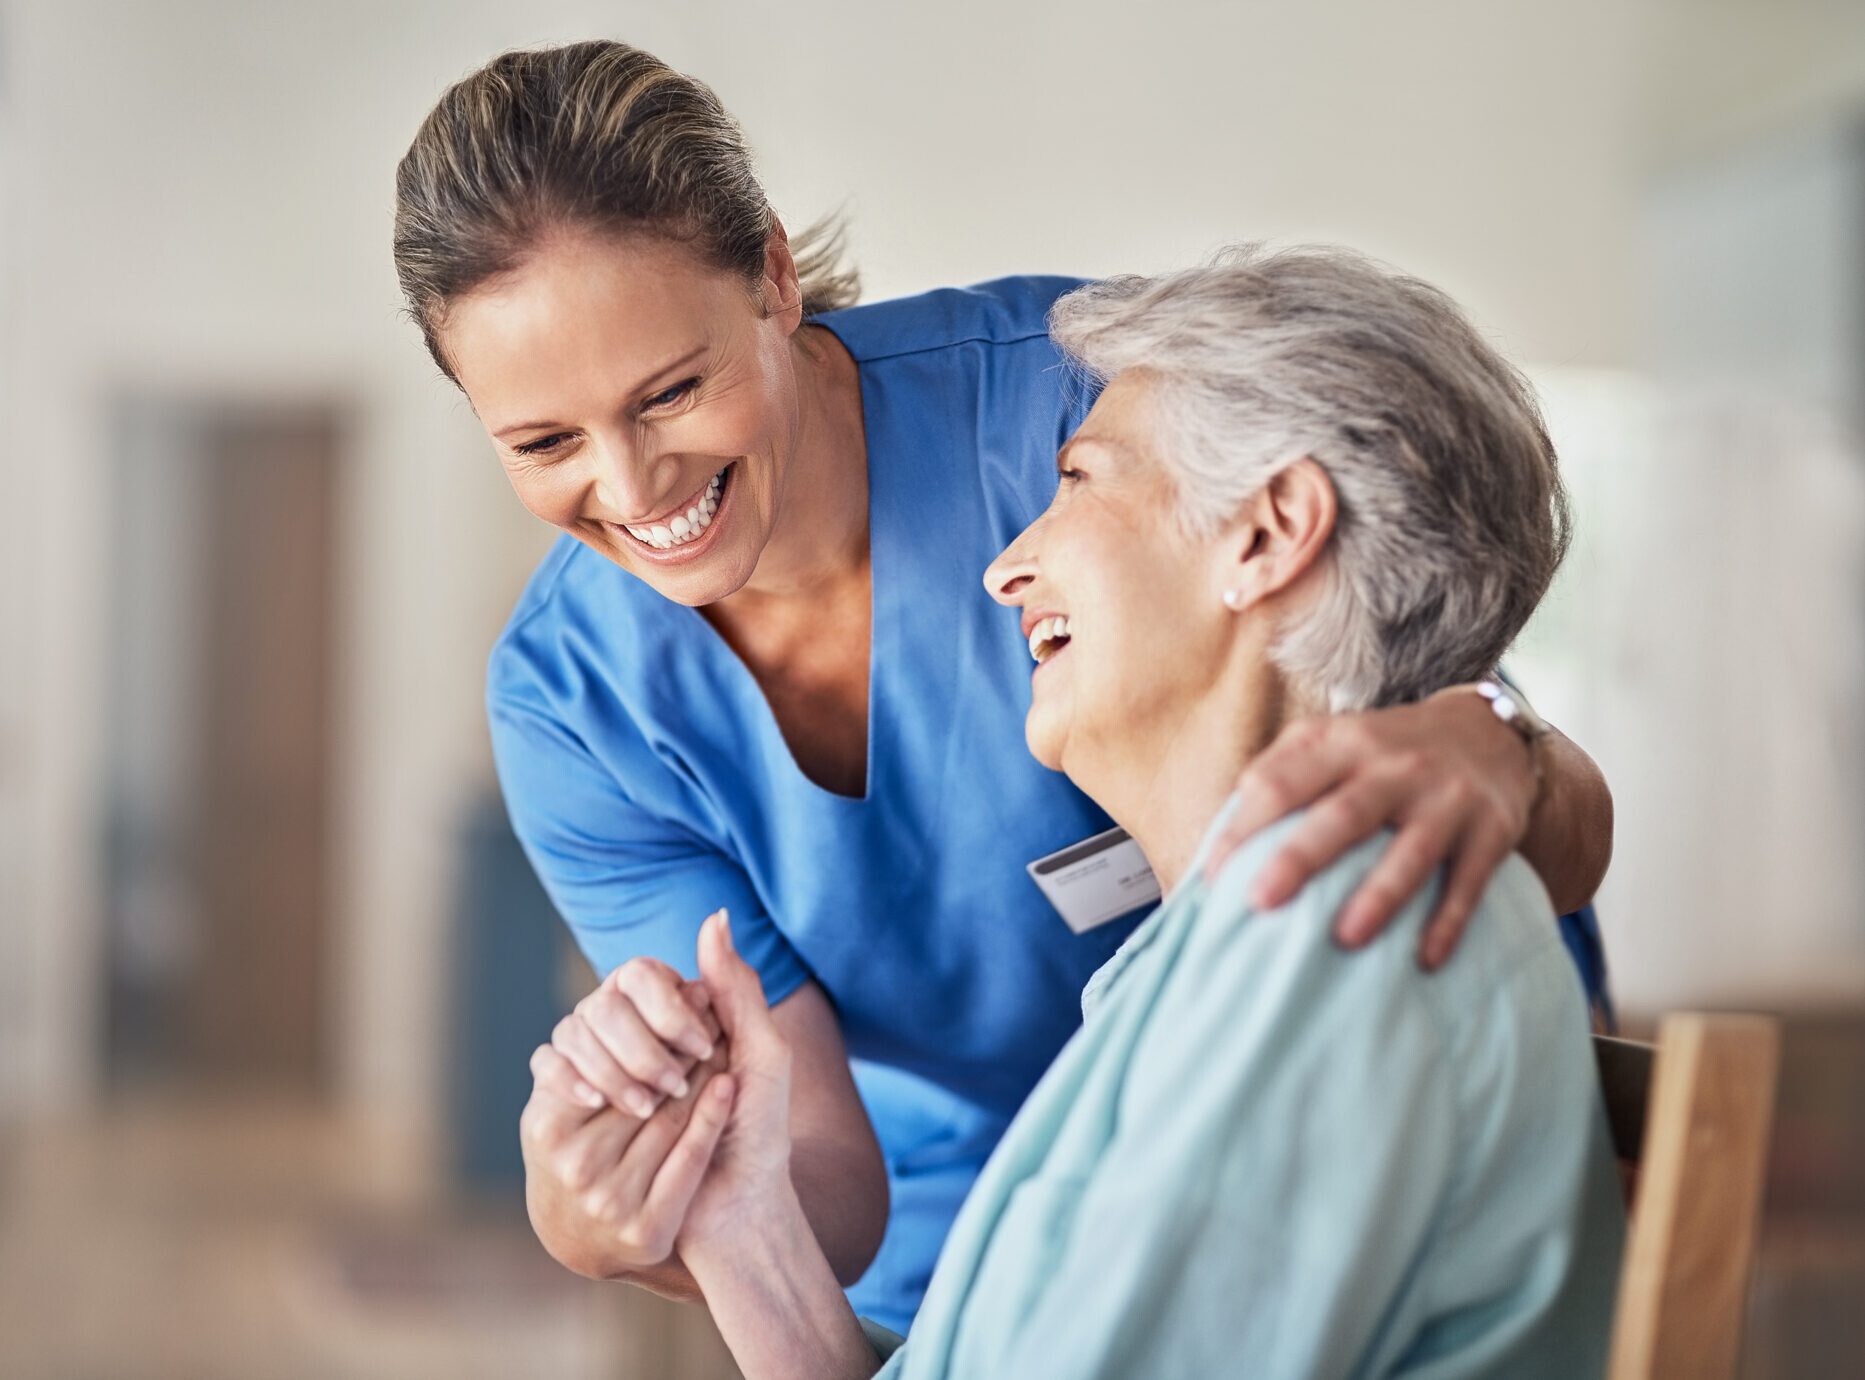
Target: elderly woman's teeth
{"x": 1048, "y": 637}
{"x": 683, "y": 527}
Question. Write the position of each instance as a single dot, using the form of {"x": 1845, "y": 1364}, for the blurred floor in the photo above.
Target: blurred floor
{"x": 245, "y": 1240}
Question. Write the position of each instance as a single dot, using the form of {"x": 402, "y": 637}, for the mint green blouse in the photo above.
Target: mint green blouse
{"x": 1263, "y": 1156}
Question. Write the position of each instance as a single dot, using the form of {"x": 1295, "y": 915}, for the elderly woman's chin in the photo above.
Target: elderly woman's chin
{"x": 1043, "y": 731}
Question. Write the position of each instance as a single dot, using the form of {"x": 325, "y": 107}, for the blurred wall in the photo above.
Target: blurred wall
{"x": 198, "y": 196}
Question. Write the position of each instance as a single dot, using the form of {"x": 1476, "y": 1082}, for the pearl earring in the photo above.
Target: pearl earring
{"x": 1233, "y": 600}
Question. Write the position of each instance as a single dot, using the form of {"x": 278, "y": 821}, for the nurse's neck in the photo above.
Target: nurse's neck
{"x": 820, "y": 540}
{"x": 1164, "y": 781}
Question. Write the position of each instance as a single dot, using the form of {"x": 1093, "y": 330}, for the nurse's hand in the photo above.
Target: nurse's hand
{"x": 634, "y": 1037}
{"x": 1454, "y": 782}
{"x": 605, "y": 1188}
{"x": 606, "y": 1191}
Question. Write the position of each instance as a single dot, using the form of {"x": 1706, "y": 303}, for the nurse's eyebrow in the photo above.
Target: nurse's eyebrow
{"x": 639, "y": 388}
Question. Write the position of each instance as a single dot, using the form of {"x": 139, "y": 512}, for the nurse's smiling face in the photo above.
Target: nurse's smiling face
{"x": 640, "y": 400}
{"x": 1146, "y": 630}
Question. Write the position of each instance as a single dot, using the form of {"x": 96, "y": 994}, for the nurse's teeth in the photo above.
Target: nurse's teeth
{"x": 682, "y": 527}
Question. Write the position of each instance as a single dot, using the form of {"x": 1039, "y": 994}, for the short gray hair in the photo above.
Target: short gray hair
{"x": 1452, "y": 518}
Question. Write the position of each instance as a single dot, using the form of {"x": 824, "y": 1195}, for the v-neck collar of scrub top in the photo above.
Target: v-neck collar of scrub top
{"x": 878, "y": 608}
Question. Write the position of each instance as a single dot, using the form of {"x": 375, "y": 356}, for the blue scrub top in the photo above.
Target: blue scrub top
{"x": 650, "y": 784}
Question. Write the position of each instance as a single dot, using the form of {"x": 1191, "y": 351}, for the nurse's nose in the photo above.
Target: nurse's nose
{"x": 623, "y": 482}
{"x": 1007, "y": 576}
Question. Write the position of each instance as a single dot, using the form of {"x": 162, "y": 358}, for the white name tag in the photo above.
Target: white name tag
{"x": 1096, "y": 880}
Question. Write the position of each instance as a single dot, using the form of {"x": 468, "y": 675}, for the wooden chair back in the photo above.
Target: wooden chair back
{"x": 1690, "y": 1119}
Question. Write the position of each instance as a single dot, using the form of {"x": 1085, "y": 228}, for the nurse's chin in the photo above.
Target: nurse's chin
{"x": 722, "y": 574}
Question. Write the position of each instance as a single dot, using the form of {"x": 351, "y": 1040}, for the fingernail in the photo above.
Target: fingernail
{"x": 587, "y": 1095}
{"x": 725, "y": 928}
{"x": 673, "y": 1085}
{"x": 639, "y": 1103}
{"x": 700, "y": 1046}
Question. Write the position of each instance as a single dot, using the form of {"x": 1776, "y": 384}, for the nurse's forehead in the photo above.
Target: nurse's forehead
{"x": 520, "y": 365}
{"x": 568, "y": 312}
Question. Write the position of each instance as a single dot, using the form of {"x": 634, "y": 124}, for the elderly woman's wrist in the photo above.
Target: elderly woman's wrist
{"x": 757, "y": 1229}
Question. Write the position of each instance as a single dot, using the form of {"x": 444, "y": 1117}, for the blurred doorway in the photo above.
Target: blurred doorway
{"x": 218, "y": 735}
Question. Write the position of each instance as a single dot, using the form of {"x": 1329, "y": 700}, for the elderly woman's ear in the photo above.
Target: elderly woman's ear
{"x": 1278, "y": 537}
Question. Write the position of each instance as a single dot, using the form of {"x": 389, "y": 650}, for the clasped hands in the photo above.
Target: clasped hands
{"x": 659, "y": 1112}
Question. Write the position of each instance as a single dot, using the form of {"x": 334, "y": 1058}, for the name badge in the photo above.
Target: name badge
{"x": 1097, "y": 880}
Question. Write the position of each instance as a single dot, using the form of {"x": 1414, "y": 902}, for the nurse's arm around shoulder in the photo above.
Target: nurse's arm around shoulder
{"x": 606, "y": 1189}
{"x": 1456, "y": 784}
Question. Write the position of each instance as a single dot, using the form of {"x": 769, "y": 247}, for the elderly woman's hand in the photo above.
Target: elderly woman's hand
{"x": 1451, "y": 778}
{"x": 595, "y": 1138}
{"x": 750, "y": 1163}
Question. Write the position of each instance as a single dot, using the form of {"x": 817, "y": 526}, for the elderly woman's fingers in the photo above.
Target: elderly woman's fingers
{"x": 596, "y": 1065}
{"x": 619, "y": 1198}
{"x": 634, "y": 1176}
{"x": 655, "y": 990}
{"x": 1307, "y": 759}
{"x": 1480, "y": 852}
{"x": 685, "y": 1166}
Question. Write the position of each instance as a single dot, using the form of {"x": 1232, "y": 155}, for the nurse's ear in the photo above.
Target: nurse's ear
{"x": 781, "y": 291}
{"x": 1277, "y": 537}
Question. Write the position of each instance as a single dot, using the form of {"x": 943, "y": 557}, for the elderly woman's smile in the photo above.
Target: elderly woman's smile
{"x": 1123, "y": 601}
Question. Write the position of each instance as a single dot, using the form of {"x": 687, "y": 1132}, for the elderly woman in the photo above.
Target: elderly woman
{"x": 1307, "y": 484}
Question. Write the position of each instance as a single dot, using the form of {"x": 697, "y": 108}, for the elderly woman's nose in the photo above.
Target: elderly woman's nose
{"x": 1005, "y": 577}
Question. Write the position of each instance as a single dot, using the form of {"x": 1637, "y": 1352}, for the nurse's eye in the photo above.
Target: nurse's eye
{"x": 1065, "y": 475}
{"x": 544, "y": 445}
{"x": 668, "y": 397}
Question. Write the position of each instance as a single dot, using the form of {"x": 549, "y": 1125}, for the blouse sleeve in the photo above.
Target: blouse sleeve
{"x": 1285, "y": 1140}
{"x": 627, "y": 881}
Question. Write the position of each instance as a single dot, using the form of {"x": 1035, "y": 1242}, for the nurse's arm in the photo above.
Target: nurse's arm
{"x": 1458, "y": 787}
{"x": 835, "y": 1167}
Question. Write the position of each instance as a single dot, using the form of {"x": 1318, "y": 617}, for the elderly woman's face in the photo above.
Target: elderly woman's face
{"x": 1146, "y": 628}
{"x": 640, "y": 401}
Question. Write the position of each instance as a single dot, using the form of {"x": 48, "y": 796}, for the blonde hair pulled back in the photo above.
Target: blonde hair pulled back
{"x": 595, "y": 136}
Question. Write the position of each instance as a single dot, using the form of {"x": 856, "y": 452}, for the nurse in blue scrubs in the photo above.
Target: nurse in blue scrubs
{"x": 758, "y": 672}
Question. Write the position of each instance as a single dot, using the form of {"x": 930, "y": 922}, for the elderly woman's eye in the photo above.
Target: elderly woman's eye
{"x": 669, "y": 396}
{"x": 1067, "y": 475}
